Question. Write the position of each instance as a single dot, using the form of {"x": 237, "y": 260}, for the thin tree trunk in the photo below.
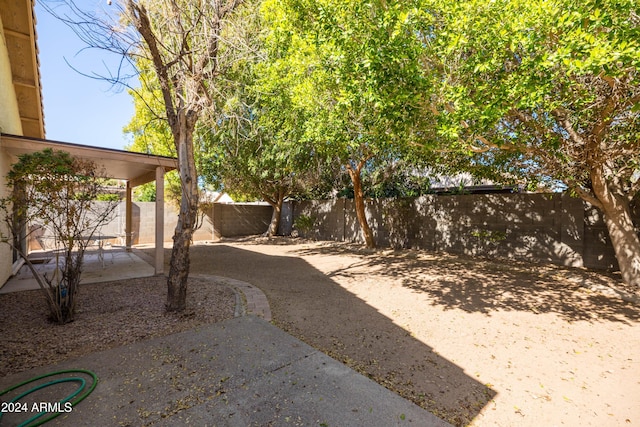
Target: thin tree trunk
{"x": 179, "y": 264}
{"x": 187, "y": 79}
{"x": 358, "y": 197}
{"x": 275, "y": 216}
{"x": 617, "y": 217}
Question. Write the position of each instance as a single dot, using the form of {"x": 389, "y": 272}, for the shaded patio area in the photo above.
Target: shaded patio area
{"x": 113, "y": 264}
{"x": 134, "y": 168}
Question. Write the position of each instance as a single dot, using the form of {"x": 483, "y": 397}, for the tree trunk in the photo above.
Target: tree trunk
{"x": 625, "y": 242}
{"x": 617, "y": 217}
{"x": 179, "y": 264}
{"x": 358, "y": 197}
{"x": 275, "y": 216}
{"x": 66, "y": 291}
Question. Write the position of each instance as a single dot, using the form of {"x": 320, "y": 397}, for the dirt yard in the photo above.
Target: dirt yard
{"x": 109, "y": 314}
{"x": 474, "y": 341}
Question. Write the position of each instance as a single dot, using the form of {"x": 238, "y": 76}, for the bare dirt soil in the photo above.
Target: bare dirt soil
{"x": 486, "y": 343}
{"x": 477, "y": 342}
{"x": 108, "y": 315}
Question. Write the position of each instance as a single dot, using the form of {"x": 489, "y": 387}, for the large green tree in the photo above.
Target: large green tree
{"x": 149, "y": 131}
{"x": 369, "y": 87}
{"x": 256, "y": 139}
{"x": 257, "y": 152}
{"x": 552, "y": 88}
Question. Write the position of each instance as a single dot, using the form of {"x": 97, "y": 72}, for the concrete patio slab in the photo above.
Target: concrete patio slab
{"x": 115, "y": 264}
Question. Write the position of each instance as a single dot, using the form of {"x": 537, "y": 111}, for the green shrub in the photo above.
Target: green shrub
{"x": 108, "y": 197}
{"x": 304, "y": 224}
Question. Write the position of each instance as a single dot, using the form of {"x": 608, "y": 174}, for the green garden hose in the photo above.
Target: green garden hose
{"x": 76, "y": 394}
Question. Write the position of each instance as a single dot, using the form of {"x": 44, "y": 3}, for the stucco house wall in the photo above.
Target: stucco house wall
{"x": 9, "y": 123}
{"x": 21, "y": 111}
{"x": 9, "y": 113}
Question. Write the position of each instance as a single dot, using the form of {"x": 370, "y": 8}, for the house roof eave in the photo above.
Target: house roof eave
{"x": 137, "y": 168}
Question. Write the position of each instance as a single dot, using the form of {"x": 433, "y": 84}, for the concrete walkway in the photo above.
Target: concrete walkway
{"x": 240, "y": 372}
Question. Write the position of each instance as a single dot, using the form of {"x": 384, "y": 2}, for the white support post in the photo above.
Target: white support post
{"x": 128, "y": 223}
{"x": 159, "y": 220}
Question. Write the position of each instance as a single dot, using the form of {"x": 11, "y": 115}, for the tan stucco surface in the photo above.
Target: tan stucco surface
{"x": 9, "y": 122}
{"x": 6, "y": 254}
{"x": 9, "y": 113}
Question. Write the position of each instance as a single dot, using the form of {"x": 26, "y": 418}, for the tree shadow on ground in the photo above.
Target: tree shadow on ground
{"x": 481, "y": 285}
{"x": 308, "y": 304}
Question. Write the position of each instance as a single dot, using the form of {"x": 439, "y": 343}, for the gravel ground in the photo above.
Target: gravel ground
{"x": 109, "y": 315}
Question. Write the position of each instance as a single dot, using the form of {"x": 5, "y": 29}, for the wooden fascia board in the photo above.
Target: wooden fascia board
{"x": 24, "y": 144}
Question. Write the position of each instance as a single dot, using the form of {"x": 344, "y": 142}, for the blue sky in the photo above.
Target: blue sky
{"x": 78, "y": 109}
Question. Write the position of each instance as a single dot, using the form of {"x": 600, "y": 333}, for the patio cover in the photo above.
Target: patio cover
{"x": 134, "y": 168}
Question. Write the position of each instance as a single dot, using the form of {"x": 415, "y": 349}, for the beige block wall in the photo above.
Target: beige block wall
{"x": 144, "y": 223}
{"x": 9, "y": 123}
{"x": 553, "y": 228}
{"x": 143, "y": 218}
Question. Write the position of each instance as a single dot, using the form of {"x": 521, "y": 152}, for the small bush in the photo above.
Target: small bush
{"x": 59, "y": 191}
{"x": 108, "y": 197}
{"x": 304, "y": 224}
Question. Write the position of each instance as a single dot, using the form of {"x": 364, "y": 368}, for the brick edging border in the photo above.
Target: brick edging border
{"x": 249, "y": 299}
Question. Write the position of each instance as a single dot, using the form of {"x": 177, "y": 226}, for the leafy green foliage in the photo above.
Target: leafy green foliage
{"x": 539, "y": 86}
{"x": 393, "y": 182}
{"x": 367, "y": 80}
{"x": 145, "y": 192}
{"x": 255, "y": 144}
{"x": 364, "y": 87}
{"x": 150, "y": 133}
{"x": 304, "y": 224}
{"x": 108, "y": 197}
{"x": 546, "y": 89}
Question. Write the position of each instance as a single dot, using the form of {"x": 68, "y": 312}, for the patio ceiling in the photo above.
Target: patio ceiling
{"x": 137, "y": 168}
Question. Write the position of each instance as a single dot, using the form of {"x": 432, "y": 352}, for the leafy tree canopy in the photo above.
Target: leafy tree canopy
{"x": 555, "y": 83}
{"x": 551, "y": 89}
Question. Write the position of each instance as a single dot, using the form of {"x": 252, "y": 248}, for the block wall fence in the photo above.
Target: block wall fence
{"x": 218, "y": 220}
{"x": 552, "y": 228}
